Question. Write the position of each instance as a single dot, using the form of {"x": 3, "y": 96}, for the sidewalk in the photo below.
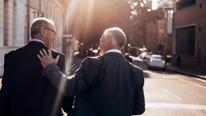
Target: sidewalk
{"x": 198, "y": 73}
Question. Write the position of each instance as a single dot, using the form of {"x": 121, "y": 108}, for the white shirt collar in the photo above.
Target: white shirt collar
{"x": 114, "y": 50}
{"x": 37, "y": 40}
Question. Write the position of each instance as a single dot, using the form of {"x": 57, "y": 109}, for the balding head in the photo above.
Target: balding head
{"x": 44, "y": 30}
{"x": 38, "y": 23}
{"x": 112, "y": 38}
{"x": 118, "y": 36}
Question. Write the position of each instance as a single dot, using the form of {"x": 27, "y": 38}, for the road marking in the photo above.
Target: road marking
{"x": 197, "y": 85}
{"x": 200, "y": 80}
{"x": 157, "y": 75}
{"x": 175, "y": 106}
{"x": 172, "y": 94}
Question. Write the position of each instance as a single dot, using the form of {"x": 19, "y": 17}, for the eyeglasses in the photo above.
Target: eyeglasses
{"x": 51, "y": 30}
{"x": 55, "y": 36}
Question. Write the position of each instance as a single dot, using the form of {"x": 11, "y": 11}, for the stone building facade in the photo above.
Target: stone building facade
{"x": 16, "y": 17}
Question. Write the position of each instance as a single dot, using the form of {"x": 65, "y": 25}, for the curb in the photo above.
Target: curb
{"x": 186, "y": 73}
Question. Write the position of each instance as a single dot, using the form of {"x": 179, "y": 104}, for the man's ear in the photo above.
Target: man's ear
{"x": 43, "y": 32}
{"x": 109, "y": 38}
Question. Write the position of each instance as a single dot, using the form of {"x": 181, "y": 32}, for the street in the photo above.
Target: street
{"x": 164, "y": 34}
{"x": 170, "y": 94}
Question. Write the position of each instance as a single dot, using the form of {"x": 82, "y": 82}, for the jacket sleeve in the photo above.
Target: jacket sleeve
{"x": 4, "y": 92}
{"x": 139, "y": 100}
{"x": 67, "y": 101}
{"x": 72, "y": 85}
{"x": 62, "y": 64}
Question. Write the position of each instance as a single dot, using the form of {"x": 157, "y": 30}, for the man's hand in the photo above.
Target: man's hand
{"x": 46, "y": 58}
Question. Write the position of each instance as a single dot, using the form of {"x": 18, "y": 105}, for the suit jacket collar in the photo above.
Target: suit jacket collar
{"x": 37, "y": 40}
{"x": 114, "y": 50}
{"x": 35, "y": 43}
{"x": 113, "y": 54}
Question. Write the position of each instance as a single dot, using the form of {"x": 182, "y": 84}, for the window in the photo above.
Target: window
{"x": 191, "y": 40}
{"x": 185, "y": 40}
{"x": 6, "y": 23}
{"x": 185, "y": 3}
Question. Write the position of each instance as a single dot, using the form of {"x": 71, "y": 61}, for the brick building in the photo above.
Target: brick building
{"x": 189, "y": 33}
{"x": 151, "y": 37}
{"x": 16, "y": 17}
{"x": 159, "y": 33}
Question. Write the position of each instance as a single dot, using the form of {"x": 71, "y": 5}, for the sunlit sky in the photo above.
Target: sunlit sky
{"x": 154, "y": 4}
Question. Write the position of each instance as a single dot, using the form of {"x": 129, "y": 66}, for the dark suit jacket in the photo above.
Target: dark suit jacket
{"x": 104, "y": 86}
{"x": 25, "y": 91}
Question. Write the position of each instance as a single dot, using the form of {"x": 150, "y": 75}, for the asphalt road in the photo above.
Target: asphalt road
{"x": 170, "y": 94}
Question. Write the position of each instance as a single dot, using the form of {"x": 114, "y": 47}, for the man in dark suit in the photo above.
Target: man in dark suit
{"x": 25, "y": 90}
{"x": 104, "y": 86}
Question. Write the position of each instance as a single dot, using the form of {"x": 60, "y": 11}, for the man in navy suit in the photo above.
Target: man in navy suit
{"x": 108, "y": 85}
{"x": 25, "y": 90}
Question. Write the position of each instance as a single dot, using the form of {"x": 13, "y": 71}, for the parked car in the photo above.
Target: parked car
{"x": 133, "y": 51}
{"x": 156, "y": 61}
{"x": 145, "y": 55}
{"x": 127, "y": 56}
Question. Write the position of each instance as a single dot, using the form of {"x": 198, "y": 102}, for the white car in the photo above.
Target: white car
{"x": 145, "y": 55}
{"x": 156, "y": 61}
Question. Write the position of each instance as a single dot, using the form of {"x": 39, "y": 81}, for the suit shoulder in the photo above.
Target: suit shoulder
{"x": 92, "y": 60}
{"x": 57, "y": 53}
{"x": 136, "y": 68}
{"x": 13, "y": 52}
{"x": 138, "y": 74}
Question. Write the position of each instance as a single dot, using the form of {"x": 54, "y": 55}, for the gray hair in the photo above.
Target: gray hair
{"x": 38, "y": 23}
{"x": 118, "y": 35}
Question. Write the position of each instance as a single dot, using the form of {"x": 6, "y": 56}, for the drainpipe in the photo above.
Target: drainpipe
{"x": 28, "y": 21}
